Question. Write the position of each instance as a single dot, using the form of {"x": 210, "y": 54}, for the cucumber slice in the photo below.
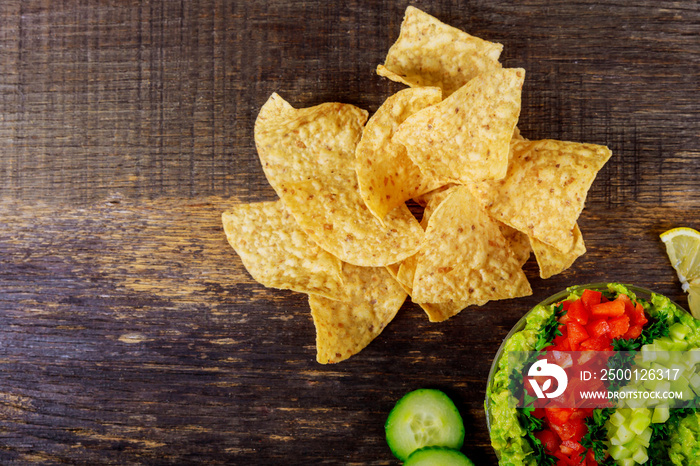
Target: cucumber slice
{"x": 422, "y": 418}
{"x": 437, "y": 456}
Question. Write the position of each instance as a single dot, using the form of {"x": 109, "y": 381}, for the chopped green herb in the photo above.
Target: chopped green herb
{"x": 597, "y": 433}
{"x": 550, "y": 330}
{"x": 532, "y": 425}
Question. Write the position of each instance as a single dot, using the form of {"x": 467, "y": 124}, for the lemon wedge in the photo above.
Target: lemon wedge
{"x": 683, "y": 249}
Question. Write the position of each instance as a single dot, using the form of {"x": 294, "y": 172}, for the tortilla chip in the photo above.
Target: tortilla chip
{"x": 343, "y": 328}
{"x": 424, "y": 199}
{"x": 431, "y": 53}
{"x": 518, "y": 242}
{"x": 393, "y": 269}
{"x": 464, "y": 256}
{"x": 436, "y": 312}
{"x": 440, "y": 312}
{"x": 551, "y": 260}
{"x": 433, "y": 199}
{"x": 308, "y": 156}
{"x": 278, "y": 253}
{"x": 466, "y": 137}
{"x": 517, "y": 135}
{"x": 545, "y": 189}
{"x": 407, "y": 271}
{"x": 387, "y": 176}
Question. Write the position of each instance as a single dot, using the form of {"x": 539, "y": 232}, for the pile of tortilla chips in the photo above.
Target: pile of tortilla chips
{"x": 341, "y": 230}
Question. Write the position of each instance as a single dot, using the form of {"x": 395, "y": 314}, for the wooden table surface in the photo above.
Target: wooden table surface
{"x": 130, "y": 333}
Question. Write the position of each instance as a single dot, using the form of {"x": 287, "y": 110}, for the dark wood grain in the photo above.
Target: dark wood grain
{"x": 130, "y": 332}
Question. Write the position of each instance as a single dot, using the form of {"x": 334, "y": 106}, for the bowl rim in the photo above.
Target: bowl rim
{"x": 521, "y": 323}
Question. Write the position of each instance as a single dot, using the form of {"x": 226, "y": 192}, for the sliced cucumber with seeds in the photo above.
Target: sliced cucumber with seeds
{"x": 437, "y": 456}
{"x": 422, "y": 418}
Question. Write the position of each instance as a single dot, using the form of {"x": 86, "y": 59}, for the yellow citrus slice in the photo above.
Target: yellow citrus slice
{"x": 683, "y": 248}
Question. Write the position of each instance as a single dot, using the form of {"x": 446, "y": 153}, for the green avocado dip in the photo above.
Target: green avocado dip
{"x": 507, "y": 435}
{"x": 676, "y": 443}
{"x": 684, "y": 448}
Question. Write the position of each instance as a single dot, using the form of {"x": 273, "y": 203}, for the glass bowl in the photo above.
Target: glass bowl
{"x": 640, "y": 292}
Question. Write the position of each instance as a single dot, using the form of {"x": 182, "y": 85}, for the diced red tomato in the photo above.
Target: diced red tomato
{"x": 589, "y": 326}
{"x": 564, "y": 345}
{"x": 590, "y": 458}
{"x": 558, "y": 416}
{"x": 577, "y": 333}
{"x": 570, "y": 447}
{"x": 598, "y": 327}
{"x": 561, "y": 343}
{"x": 549, "y": 440}
{"x": 619, "y": 326}
{"x": 633, "y": 332}
{"x": 639, "y": 318}
{"x": 565, "y": 318}
{"x": 611, "y": 308}
{"x": 585, "y": 356}
{"x": 602, "y": 343}
{"x": 562, "y": 359}
{"x": 629, "y": 306}
{"x": 581, "y": 413}
{"x": 591, "y": 298}
{"x": 578, "y": 312}
{"x": 570, "y": 431}
{"x": 568, "y": 460}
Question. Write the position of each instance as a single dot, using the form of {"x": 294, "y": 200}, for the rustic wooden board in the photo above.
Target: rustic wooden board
{"x": 130, "y": 332}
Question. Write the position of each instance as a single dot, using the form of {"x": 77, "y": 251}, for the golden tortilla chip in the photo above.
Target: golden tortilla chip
{"x": 387, "y": 176}
{"x": 424, "y": 199}
{"x": 407, "y": 271}
{"x": 436, "y": 312}
{"x": 440, "y": 312}
{"x": 466, "y": 137}
{"x": 551, "y": 260}
{"x": 545, "y": 188}
{"x": 308, "y": 156}
{"x": 393, "y": 269}
{"x": 518, "y": 242}
{"x": 517, "y": 135}
{"x": 278, "y": 253}
{"x": 433, "y": 199}
{"x": 343, "y": 328}
{"x": 431, "y": 53}
{"x": 464, "y": 256}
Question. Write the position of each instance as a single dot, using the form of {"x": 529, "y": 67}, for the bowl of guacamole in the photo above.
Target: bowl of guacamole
{"x": 613, "y": 318}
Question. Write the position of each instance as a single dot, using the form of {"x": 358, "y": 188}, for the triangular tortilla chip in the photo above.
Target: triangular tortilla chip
{"x": 431, "y": 53}
{"x": 435, "y": 312}
{"x": 387, "y": 176}
{"x": 343, "y": 328}
{"x": 308, "y": 156}
{"x": 518, "y": 242}
{"x": 440, "y": 312}
{"x": 551, "y": 260}
{"x": 405, "y": 273}
{"x": 464, "y": 256}
{"x": 278, "y": 253}
{"x": 407, "y": 269}
{"x": 545, "y": 188}
{"x": 466, "y": 137}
